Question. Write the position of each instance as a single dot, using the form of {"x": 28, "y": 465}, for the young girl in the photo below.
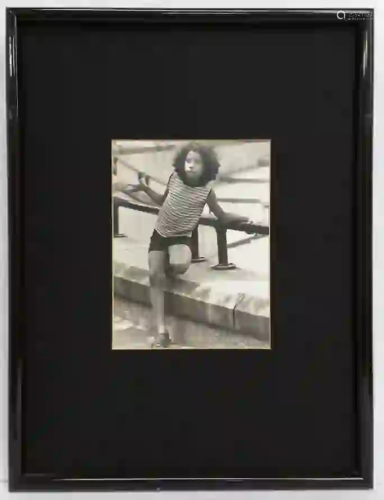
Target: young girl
{"x": 188, "y": 191}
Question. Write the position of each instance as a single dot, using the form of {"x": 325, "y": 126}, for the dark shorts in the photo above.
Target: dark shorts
{"x": 158, "y": 242}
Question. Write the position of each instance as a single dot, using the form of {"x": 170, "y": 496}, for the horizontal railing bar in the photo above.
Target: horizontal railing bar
{"x": 135, "y": 206}
{"x": 205, "y": 220}
{"x": 136, "y": 196}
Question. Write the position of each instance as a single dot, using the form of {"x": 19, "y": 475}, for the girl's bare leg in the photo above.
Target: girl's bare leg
{"x": 179, "y": 259}
{"x": 156, "y": 261}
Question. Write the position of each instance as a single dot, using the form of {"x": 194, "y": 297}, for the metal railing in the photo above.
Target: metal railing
{"x": 205, "y": 220}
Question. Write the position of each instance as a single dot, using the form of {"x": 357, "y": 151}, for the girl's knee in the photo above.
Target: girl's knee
{"x": 179, "y": 267}
{"x": 156, "y": 267}
{"x": 179, "y": 263}
{"x": 156, "y": 276}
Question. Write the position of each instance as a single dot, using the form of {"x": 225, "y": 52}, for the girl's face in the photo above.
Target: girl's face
{"x": 193, "y": 165}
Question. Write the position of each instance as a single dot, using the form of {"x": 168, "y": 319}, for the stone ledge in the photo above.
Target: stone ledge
{"x": 198, "y": 302}
{"x": 253, "y": 315}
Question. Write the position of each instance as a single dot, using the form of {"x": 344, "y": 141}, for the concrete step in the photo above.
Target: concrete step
{"x": 132, "y": 330}
{"x": 218, "y": 304}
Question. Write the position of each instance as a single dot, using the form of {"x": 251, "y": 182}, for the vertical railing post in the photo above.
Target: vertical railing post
{"x": 222, "y": 251}
{"x": 195, "y": 246}
{"x": 115, "y": 222}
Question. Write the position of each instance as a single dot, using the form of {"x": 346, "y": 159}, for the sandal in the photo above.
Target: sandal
{"x": 162, "y": 342}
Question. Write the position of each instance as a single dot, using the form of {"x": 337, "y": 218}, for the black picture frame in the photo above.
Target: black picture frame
{"x": 363, "y": 21}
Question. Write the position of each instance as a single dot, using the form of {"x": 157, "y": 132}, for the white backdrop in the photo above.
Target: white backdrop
{"x": 378, "y": 189}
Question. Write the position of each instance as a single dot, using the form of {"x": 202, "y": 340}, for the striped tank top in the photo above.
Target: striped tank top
{"x": 181, "y": 210}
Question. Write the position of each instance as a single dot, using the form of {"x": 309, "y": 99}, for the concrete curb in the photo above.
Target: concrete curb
{"x": 198, "y": 302}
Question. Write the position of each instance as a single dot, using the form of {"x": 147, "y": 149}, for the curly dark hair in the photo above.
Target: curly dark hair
{"x": 209, "y": 158}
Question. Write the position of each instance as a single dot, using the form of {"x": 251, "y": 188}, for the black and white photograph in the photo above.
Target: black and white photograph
{"x": 191, "y": 245}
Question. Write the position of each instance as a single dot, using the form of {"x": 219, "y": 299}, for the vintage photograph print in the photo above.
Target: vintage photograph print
{"x": 191, "y": 245}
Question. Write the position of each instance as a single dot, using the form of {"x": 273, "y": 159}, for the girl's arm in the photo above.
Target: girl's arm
{"x": 118, "y": 185}
{"x": 222, "y": 216}
{"x": 156, "y": 197}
